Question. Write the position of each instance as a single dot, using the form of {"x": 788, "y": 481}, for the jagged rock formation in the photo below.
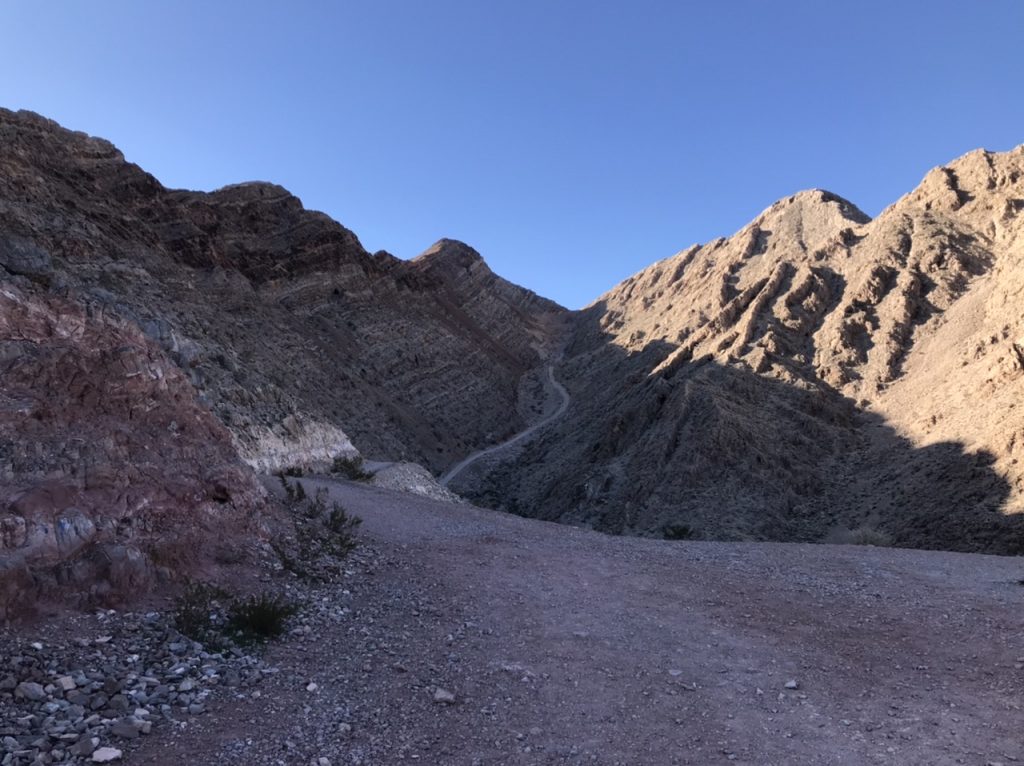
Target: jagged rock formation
{"x": 296, "y": 336}
{"x": 816, "y": 371}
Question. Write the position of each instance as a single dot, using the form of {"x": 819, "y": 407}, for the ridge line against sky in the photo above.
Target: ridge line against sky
{"x": 571, "y": 144}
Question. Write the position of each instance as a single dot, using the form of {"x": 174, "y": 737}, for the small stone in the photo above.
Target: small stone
{"x": 323, "y": 761}
{"x": 344, "y": 729}
{"x": 311, "y": 686}
{"x": 791, "y": 684}
{"x": 444, "y": 696}
{"x": 675, "y": 673}
{"x": 77, "y": 697}
{"x": 84, "y": 746}
{"x": 126, "y": 728}
{"x": 106, "y": 755}
{"x": 66, "y": 683}
{"x": 30, "y": 691}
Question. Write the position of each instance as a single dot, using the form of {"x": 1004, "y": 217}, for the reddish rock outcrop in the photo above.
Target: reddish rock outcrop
{"x": 111, "y": 472}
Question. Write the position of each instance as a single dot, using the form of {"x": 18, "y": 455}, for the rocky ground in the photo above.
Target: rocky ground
{"x": 461, "y": 636}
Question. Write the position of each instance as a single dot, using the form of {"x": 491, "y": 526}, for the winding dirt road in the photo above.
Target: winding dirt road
{"x": 520, "y": 437}
{"x": 565, "y": 646}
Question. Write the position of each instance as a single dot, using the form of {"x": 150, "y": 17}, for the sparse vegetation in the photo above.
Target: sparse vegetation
{"x": 213, "y": 617}
{"x": 343, "y": 527}
{"x": 351, "y": 468}
{"x": 289, "y": 490}
{"x": 259, "y": 617}
{"x": 199, "y": 613}
{"x": 678, "y": 532}
{"x": 324, "y": 536}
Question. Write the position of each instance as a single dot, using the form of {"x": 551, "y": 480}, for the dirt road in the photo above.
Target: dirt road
{"x": 563, "y": 646}
{"x": 520, "y": 437}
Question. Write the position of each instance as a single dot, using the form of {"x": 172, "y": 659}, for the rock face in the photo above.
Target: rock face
{"x": 297, "y": 337}
{"x": 816, "y": 372}
{"x": 110, "y": 470}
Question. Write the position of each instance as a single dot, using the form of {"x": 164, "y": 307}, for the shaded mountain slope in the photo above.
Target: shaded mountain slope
{"x": 296, "y": 336}
{"x": 816, "y": 371}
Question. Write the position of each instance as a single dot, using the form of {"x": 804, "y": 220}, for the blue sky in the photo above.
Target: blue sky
{"x": 571, "y": 143}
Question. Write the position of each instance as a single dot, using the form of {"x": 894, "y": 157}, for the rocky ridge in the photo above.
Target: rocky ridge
{"x": 298, "y": 338}
{"x": 816, "y": 372}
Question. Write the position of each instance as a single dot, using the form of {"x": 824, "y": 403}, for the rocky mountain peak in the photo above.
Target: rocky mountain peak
{"x": 817, "y": 368}
{"x": 449, "y": 256}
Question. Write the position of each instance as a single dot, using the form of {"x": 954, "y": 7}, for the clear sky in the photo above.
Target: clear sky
{"x": 571, "y": 143}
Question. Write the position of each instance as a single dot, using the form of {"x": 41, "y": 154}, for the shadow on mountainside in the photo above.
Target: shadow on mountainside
{"x": 716, "y": 451}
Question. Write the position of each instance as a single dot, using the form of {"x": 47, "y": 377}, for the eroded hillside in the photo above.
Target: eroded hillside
{"x": 816, "y": 372}
{"x": 297, "y": 337}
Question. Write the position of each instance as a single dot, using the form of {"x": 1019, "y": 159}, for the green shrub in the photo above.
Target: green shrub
{"x": 210, "y": 615}
{"x": 259, "y": 618}
{"x": 322, "y": 538}
{"x": 199, "y": 613}
{"x": 351, "y": 468}
{"x": 343, "y": 526}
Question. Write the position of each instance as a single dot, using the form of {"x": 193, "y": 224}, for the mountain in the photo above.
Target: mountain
{"x": 283, "y": 322}
{"x": 257, "y": 336}
{"x": 816, "y": 374}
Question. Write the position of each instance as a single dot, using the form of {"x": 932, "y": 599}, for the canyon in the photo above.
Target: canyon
{"x": 819, "y": 376}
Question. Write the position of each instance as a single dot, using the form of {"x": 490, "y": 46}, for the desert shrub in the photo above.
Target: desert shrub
{"x": 343, "y": 527}
{"x": 211, "y": 616}
{"x": 199, "y": 613}
{"x": 351, "y": 468}
{"x": 289, "y": 490}
{"x": 678, "y": 532}
{"x": 259, "y": 618}
{"x": 324, "y": 536}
